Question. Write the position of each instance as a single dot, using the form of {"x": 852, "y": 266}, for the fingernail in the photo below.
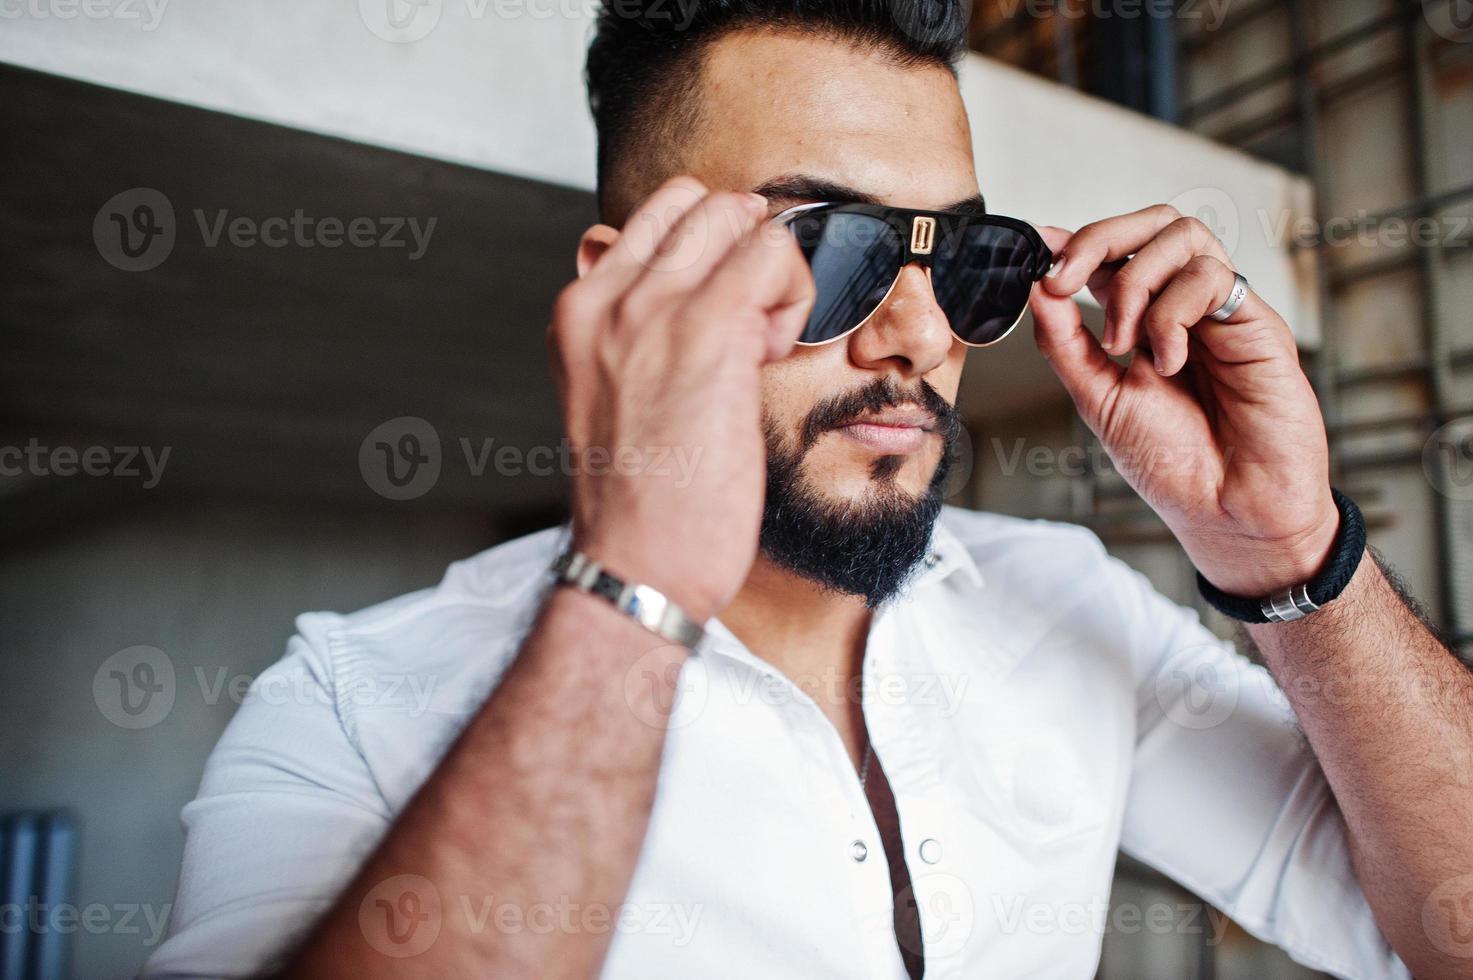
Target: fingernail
{"x": 756, "y": 202}
{"x": 1057, "y": 269}
{"x": 1108, "y": 341}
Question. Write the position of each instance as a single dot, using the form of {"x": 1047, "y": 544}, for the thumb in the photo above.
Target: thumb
{"x": 1072, "y": 351}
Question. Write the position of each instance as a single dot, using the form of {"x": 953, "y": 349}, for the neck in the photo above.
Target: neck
{"x": 801, "y": 629}
{"x": 814, "y": 637}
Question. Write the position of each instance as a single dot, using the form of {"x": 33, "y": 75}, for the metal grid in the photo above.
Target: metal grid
{"x": 1279, "y": 111}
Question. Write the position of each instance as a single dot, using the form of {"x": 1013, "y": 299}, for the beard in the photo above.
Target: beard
{"x": 869, "y": 547}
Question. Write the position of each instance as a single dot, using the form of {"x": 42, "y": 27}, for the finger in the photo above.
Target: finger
{"x": 1196, "y": 291}
{"x": 1129, "y": 291}
{"x": 694, "y": 247}
{"x": 767, "y": 274}
{"x": 1071, "y": 350}
{"x": 644, "y": 231}
{"x": 1106, "y": 241}
{"x": 1054, "y": 237}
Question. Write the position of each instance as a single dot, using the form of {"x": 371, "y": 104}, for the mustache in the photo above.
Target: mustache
{"x": 878, "y": 395}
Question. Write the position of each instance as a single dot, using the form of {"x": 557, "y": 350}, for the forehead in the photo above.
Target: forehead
{"x": 776, "y": 102}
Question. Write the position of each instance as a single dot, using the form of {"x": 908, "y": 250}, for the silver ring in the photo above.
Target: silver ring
{"x": 1234, "y": 301}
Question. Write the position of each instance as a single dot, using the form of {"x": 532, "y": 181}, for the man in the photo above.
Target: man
{"x": 587, "y": 796}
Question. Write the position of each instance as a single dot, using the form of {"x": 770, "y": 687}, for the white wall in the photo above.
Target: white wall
{"x": 498, "y": 84}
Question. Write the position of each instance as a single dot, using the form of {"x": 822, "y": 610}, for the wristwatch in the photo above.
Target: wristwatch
{"x": 645, "y": 605}
{"x": 1300, "y": 601}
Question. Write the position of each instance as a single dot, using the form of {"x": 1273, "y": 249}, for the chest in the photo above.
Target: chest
{"x": 1006, "y": 791}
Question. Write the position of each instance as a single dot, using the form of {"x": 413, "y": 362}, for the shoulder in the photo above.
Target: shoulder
{"x": 1048, "y": 581}
{"x": 493, "y": 585}
{"x": 1061, "y": 573}
{"x": 435, "y": 652}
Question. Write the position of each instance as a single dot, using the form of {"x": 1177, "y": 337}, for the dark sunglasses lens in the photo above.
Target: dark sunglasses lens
{"x": 982, "y": 276}
{"x": 855, "y": 259}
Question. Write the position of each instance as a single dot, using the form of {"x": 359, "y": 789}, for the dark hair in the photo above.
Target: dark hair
{"x": 645, "y": 55}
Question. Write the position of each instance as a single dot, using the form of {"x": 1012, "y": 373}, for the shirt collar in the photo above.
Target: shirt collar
{"x": 947, "y": 556}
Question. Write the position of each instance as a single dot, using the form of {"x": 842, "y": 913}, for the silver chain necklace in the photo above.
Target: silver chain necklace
{"x": 864, "y": 765}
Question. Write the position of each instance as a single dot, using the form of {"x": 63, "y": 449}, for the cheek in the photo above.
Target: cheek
{"x": 792, "y": 386}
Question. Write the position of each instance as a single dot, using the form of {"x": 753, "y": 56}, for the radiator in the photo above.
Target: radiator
{"x": 36, "y": 855}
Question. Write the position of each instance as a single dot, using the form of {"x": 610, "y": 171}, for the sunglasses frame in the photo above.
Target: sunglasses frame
{"x": 918, "y": 240}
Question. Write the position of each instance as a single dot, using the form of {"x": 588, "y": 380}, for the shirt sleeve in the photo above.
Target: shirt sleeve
{"x": 286, "y": 813}
{"x": 1227, "y": 799}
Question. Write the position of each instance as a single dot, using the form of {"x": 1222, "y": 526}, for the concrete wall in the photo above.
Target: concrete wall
{"x": 497, "y": 84}
{"x": 214, "y": 587}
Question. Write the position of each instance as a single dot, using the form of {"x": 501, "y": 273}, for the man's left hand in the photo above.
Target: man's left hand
{"x": 1214, "y": 424}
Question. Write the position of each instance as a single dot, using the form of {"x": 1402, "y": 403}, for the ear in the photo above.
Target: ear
{"x": 595, "y": 241}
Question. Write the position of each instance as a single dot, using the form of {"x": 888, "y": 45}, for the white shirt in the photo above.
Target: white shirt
{"x": 1035, "y": 704}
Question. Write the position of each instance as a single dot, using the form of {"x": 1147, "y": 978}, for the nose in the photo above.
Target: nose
{"x": 908, "y": 333}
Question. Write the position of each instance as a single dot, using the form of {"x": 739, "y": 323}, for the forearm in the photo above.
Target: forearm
{"x": 1388, "y": 710}
{"x": 542, "y": 802}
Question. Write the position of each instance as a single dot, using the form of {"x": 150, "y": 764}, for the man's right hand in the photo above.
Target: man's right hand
{"x": 657, "y": 349}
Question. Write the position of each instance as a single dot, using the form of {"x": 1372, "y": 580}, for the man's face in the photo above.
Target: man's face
{"x": 783, "y": 111}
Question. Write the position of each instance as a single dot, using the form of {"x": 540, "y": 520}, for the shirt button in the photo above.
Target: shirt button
{"x": 858, "y": 851}
{"x": 930, "y": 850}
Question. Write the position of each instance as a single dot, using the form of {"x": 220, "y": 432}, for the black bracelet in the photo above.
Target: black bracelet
{"x": 1300, "y": 601}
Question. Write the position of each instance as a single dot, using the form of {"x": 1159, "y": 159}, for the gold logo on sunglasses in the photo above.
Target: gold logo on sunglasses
{"x": 922, "y": 235}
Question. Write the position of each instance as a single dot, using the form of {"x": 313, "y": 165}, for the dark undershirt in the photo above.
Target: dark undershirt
{"x": 887, "y": 819}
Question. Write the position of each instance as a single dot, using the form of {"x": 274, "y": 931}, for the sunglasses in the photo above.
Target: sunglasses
{"x": 981, "y": 268}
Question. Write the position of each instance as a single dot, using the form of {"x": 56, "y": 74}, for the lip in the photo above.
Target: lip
{"x": 894, "y": 431}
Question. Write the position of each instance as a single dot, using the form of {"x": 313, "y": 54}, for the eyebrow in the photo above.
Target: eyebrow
{"x": 805, "y": 188}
